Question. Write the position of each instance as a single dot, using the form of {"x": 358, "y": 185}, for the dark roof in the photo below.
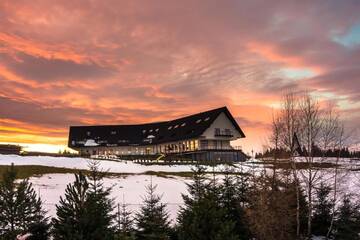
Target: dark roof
{"x": 126, "y": 135}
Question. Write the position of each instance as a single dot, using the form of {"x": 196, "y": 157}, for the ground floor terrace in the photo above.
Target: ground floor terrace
{"x": 195, "y": 149}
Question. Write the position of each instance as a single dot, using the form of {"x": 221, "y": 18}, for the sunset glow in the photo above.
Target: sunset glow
{"x": 82, "y": 62}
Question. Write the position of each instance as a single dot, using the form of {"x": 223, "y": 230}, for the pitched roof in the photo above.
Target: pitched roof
{"x": 144, "y": 134}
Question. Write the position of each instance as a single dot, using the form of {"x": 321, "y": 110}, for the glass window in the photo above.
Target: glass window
{"x": 170, "y": 127}
{"x": 217, "y": 131}
{"x": 196, "y": 145}
{"x": 206, "y": 119}
{"x": 198, "y": 121}
{"x": 183, "y": 124}
{"x": 176, "y": 126}
{"x": 192, "y": 145}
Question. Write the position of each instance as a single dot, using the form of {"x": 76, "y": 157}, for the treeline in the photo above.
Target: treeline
{"x": 236, "y": 207}
{"x": 283, "y": 153}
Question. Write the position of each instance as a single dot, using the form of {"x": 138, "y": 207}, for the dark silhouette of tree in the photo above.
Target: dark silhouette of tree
{"x": 20, "y": 207}
{"x": 348, "y": 222}
{"x": 153, "y": 220}
{"x": 322, "y": 210}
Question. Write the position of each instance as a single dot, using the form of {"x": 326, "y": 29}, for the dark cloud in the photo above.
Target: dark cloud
{"x": 342, "y": 81}
{"x": 48, "y": 70}
{"x": 46, "y": 116}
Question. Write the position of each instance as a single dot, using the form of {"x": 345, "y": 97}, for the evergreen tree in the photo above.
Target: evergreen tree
{"x": 322, "y": 211}
{"x": 348, "y": 222}
{"x": 203, "y": 217}
{"x": 20, "y": 207}
{"x": 99, "y": 205}
{"x": 39, "y": 231}
{"x": 243, "y": 188}
{"x": 231, "y": 202}
{"x": 125, "y": 230}
{"x": 153, "y": 220}
{"x": 272, "y": 209}
{"x": 70, "y": 222}
{"x": 86, "y": 210}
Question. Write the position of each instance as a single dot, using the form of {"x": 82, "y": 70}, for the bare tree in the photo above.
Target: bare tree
{"x": 276, "y": 128}
{"x": 289, "y": 118}
{"x": 310, "y": 127}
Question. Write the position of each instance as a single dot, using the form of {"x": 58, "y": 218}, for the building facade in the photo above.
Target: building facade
{"x": 202, "y": 136}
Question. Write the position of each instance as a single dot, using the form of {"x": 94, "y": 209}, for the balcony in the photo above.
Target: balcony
{"x": 223, "y": 133}
{"x": 212, "y": 147}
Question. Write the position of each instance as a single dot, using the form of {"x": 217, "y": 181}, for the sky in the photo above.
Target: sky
{"x": 81, "y": 62}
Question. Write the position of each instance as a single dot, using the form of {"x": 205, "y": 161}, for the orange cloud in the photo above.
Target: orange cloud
{"x": 272, "y": 53}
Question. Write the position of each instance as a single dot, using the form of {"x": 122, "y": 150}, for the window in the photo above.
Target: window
{"x": 206, "y": 119}
{"x": 150, "y": 130}
{"x": 217, "y": 131}
{"x": 176, "y": 126}
{"x": 196, "y": 145}
{"x": 144, "y": 131}
{"x": 113, "y": 132}
{"x": 88, "y": 133}
{"x": 183, "y": 124}
{"x": 198, "y": 121}
{"x": 156, "y": 130}
{"x": 227, "y": 132}
{"x": 170, "y": 127}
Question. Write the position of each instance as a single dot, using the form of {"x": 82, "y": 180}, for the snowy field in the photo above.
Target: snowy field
{"x": 131, "y": 188}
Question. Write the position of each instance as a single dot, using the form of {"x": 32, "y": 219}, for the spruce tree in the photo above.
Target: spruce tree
{"x": 71, "y": 220}
{"x": 39, "y": 231}
{"x": 322, "y": 211}
{"x": 203, "y": 217}
{"x": 124, "y": 229}
{"x": 20, "y": 207}
{"x": 153, "y": 220}
{"x": 231, "y": 202}
{"x": 348, "y": 223}
{"x": 86, "y": 211}
{"x": 99, "y": 205}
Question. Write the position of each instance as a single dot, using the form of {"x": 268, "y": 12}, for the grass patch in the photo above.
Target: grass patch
{"x": 26, "y": 171}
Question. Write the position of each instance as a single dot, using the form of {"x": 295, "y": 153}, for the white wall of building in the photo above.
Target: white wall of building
{"x": 222, "y": 122}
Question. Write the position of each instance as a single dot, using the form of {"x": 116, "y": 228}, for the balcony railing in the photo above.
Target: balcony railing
{"x": 223, "y": 133}
{"x": 211, "y": 147}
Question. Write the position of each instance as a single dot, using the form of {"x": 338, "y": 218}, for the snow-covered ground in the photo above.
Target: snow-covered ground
{"x": 111, "y": 166}
{"x": 131, "y": 188}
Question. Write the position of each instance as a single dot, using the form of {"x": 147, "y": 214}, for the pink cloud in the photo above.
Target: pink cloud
{"x": 99, "y": 62}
